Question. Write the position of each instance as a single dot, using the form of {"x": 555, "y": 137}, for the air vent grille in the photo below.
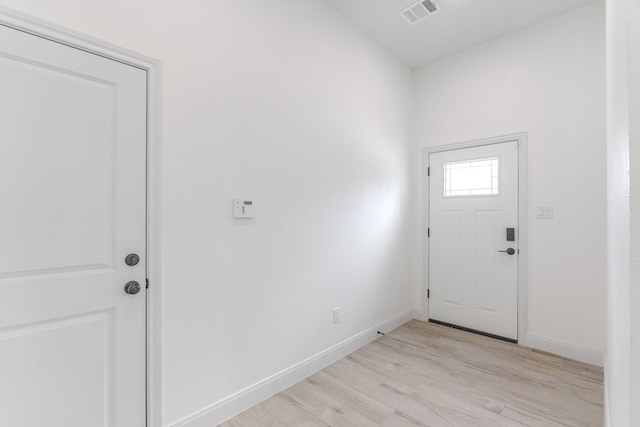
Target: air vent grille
{"x": 419, "y": 11}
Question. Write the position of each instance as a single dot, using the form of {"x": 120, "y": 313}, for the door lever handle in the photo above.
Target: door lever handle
{"x": 509, "y": 251}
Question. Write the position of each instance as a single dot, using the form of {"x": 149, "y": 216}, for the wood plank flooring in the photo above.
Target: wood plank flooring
{"x": 423, "y": 374}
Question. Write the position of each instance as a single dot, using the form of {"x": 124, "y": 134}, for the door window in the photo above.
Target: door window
{"x": 479, "y": 177}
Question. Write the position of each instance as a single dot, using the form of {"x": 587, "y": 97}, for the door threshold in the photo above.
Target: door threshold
{"x": 474, "y": 331}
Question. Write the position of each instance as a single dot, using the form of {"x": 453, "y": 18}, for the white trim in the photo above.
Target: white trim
{"x": 569, "y": 351}
{"x": 521, "y": 138}
{"x": 425, "y": 239}
{"x": 154, "y": 246}
{"x": 256, "y": 393}
{"x": 607, "y": 396}
{"x": 23, "y": 22}
{"x": 522, "y": 235}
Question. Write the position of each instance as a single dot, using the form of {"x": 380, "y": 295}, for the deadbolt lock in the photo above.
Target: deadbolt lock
{"x": 132, "y": 259}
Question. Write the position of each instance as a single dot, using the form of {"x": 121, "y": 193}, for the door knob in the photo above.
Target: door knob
{"x": 509, "y": 251}
{"x": 132, "y": 259}
{"x": 132, "y": 287}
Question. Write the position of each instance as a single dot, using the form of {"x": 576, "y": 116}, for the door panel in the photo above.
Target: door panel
{"x": 452, "y": 248}
{"x": 59, "y": 165}
{"x": 73, "y": 186}
{"x": 471, "y": 284}
{"x": 34, "y": 352}
{"x": 486, "y": 228}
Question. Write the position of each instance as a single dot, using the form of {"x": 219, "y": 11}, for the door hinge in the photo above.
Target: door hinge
{"x": 147, "y": 282}
{"x": 428, "y": 293}
{"x": 429, "y": 171}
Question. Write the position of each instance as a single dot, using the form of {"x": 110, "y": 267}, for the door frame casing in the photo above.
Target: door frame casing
{"x": 22, "y": 22}
{"x": 521, "y": 138}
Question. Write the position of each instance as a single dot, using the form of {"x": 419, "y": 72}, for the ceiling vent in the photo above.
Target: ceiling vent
{"x": 419, "y": 11}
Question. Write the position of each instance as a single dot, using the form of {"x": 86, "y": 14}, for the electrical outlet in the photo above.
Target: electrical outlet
{"x": 336, "y": 315}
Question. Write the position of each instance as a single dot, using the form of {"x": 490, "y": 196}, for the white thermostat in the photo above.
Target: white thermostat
{"x": 244, "y": 208}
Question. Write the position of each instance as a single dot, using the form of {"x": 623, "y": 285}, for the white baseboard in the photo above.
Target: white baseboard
{"x": 252, "y": 395}
{"x": 570, "y": 351}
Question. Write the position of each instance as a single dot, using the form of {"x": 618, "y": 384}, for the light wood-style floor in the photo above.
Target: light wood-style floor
{"x": 423, "y": 374}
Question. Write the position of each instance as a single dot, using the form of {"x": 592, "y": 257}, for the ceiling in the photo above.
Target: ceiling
{"x": 459, "y": 25}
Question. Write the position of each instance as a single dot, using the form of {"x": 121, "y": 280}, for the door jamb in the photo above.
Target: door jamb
{"x": 521, "y": 138}
{"x": 20, "y": 21}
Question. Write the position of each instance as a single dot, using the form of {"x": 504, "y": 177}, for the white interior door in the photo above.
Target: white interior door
{"x": 473, "y": 200}
{"x": 72, "y": 188}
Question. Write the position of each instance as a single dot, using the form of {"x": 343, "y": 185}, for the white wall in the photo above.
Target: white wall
{"x": 618, "y": 361}
{"x": 622, "y": 369}
{"x": 549, "y": 81}
{"x": 285, "y": 103}
{"x": 633, "y": 38}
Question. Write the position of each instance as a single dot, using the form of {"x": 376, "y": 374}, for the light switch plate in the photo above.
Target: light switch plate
{"x": 544, "y": 212}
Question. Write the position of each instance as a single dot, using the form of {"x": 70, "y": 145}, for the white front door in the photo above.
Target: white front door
{"x": 72, "y": 207}
{"x": 473, "y": 220}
